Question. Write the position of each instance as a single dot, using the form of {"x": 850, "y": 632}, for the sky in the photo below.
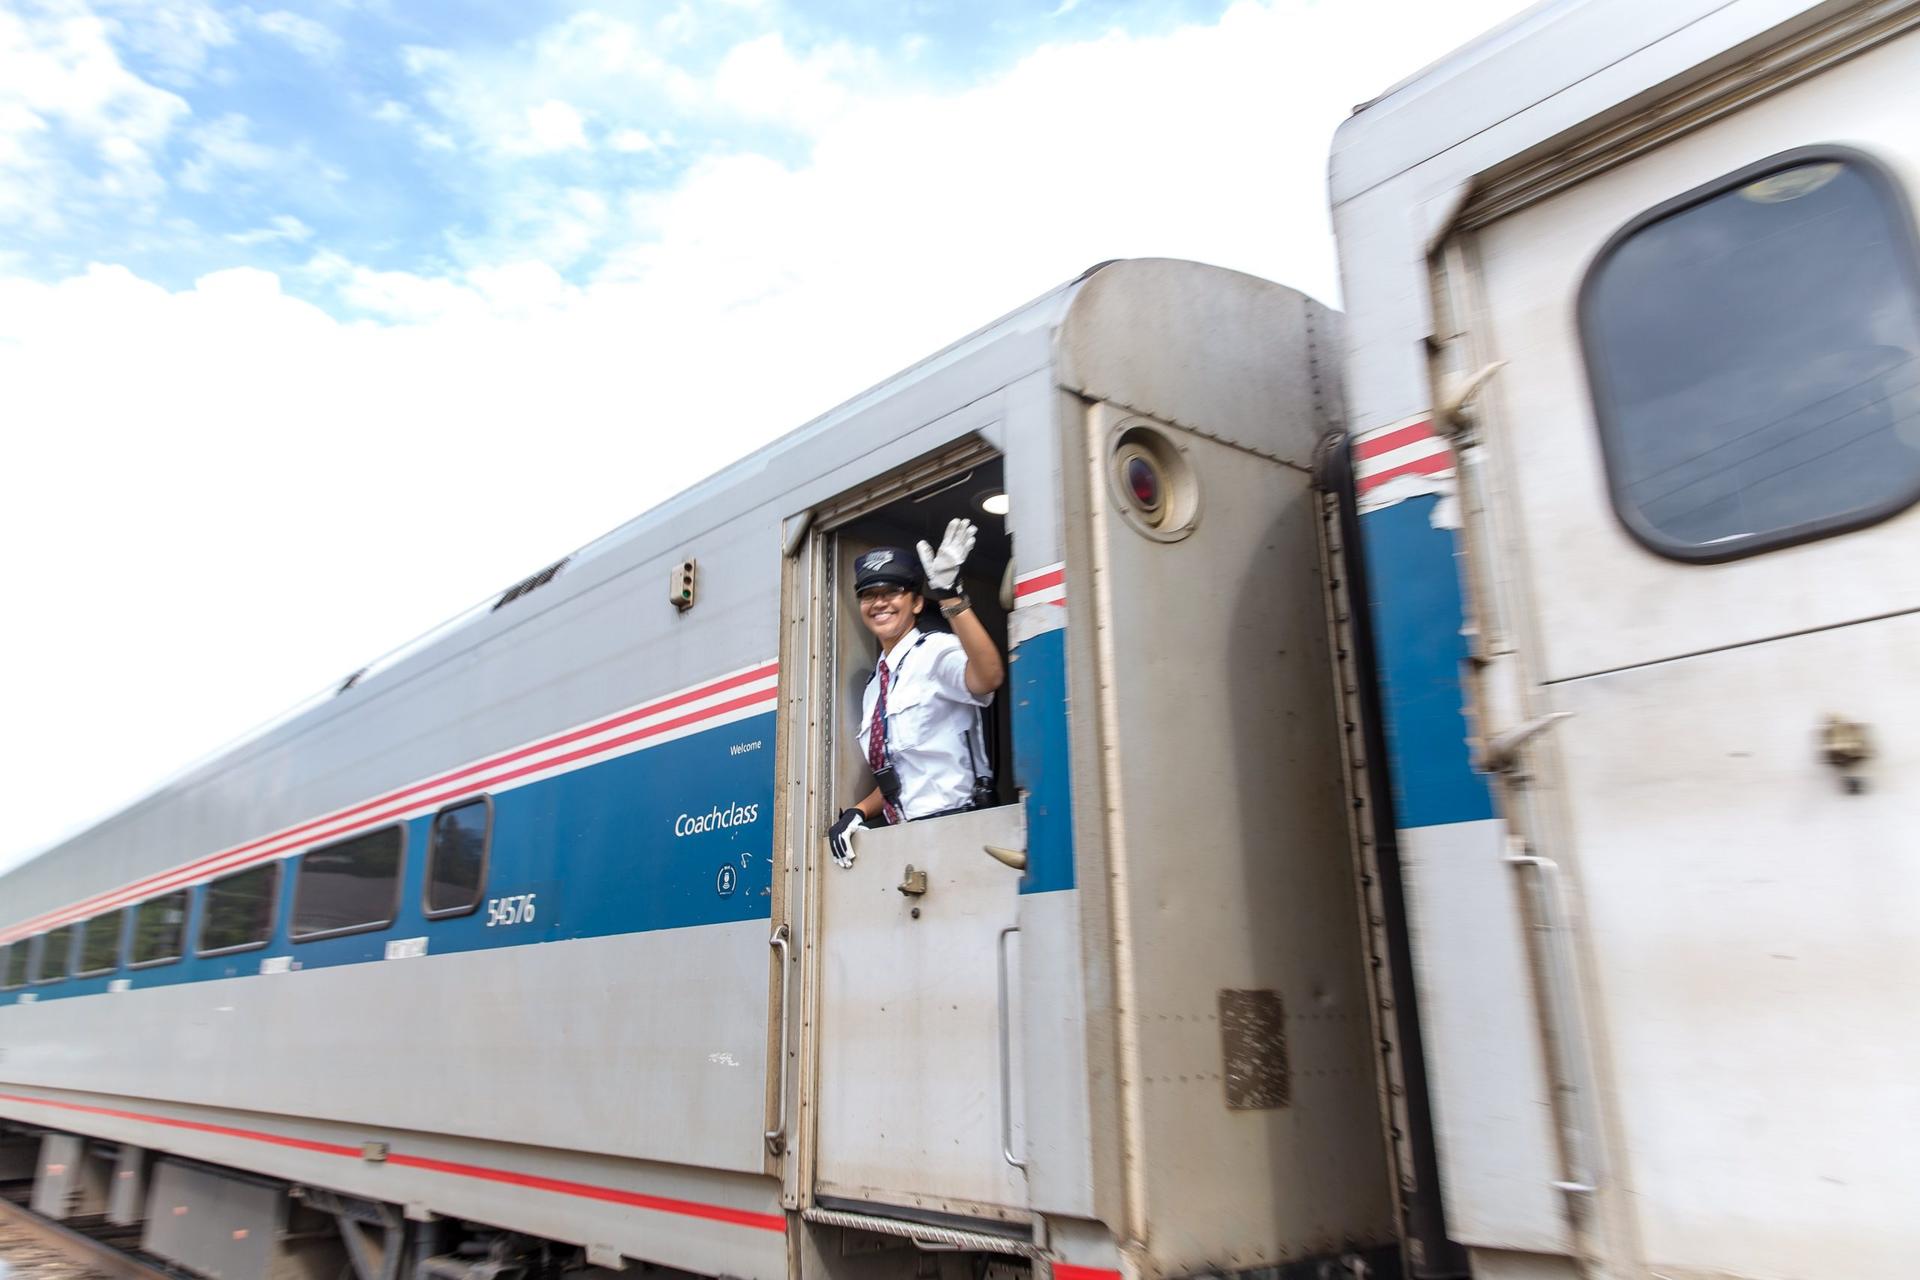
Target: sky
{"x": 320, "y": 324}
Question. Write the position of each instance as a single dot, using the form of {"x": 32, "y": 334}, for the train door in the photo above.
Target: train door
{"x": 912, "y": 947}
{"x": 1690, "y": 504}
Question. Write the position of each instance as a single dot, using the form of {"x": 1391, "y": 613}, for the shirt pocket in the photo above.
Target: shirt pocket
{"x": 911, "y": 715}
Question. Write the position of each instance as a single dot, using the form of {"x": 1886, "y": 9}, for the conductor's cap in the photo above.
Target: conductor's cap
{"x": 886, "y": 566}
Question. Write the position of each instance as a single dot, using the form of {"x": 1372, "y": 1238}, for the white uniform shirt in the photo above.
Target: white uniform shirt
{"x": 934, "y": 736}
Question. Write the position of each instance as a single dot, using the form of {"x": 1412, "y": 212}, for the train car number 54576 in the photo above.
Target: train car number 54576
{"x": 517, "y": 909}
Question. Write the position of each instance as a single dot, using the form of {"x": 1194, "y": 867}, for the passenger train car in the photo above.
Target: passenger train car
{"x": 523, "y": 951}
{"x": 1448, "y": 817}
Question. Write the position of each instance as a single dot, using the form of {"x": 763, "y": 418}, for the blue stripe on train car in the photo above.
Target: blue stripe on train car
{"x": 1041, "y": 765}
{"x": 610, "y": 848}
{"x": 607, "y": 849}
{"x": 1417, "y": 612}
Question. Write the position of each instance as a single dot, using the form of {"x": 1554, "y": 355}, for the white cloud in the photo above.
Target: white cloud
{"x": 554, "y": 126}
{"x": 76, "y": 126}
{"x": 632, "y": 141}
{"x": 314, "y": 39}
{"x": 765, "y": 79}
{"x": 282, "y": 227}
{"x": 222, "y": 148}
{"x": 588, "y": 66}
{"x": 175, "y": 35}
{"x": 267, "y": 495}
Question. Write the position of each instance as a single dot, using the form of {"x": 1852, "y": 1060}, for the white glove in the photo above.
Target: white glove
{"x": 943, "y": 570}
{"x": 840, "y": 835}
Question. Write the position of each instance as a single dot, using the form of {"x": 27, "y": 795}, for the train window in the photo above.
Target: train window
{"x": 15, "y": 974}
{"x": 1754, "y": 353}
{"x": 56, "y": 955}
{"x": 348, "y": 886}
{"x": 100, "y": 944}
{"x": 457, "y": 857}
{"x": 239, "y": 910}
{"x": 159, "y": 929}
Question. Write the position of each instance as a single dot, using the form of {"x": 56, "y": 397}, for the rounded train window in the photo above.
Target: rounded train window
{"x": 1753, "y": 349}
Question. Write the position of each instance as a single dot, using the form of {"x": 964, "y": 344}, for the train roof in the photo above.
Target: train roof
{"x": 1560, "y": 66}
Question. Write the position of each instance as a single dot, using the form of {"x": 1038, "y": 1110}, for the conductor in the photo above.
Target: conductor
{"x": 920, "y": 716}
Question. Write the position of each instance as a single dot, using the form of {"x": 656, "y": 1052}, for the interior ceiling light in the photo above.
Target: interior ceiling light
{"x": 995, "y": 502}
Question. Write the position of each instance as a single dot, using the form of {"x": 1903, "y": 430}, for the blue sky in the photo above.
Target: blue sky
{"x": 321, "y": 321}
{"x": 403, "y": 136}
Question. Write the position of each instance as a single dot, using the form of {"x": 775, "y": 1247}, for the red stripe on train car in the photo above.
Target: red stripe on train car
{"x": 224, "y": 1131}
{"x": 588, "y": 1191}
{"x": 141, "y": 888}
{"x": 234, "y": 860}
{"x": 559, "y": 1186}
{"x": 1397, "y": 438}
{"x": 1068, "y": 1271}
{"x": 1432, "y": 464}
{"x": 1039, "y": 582}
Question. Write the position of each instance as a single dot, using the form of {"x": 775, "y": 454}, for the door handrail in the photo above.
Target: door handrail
{"x": 1006, "y": 1055}
{"x": 777, "y": 1136}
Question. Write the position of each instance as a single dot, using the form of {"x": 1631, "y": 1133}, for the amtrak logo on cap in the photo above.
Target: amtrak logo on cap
{"x": 876, "y": 560}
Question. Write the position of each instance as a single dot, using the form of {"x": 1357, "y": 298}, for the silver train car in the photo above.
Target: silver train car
{"x": 522, "y": 954}
{"x": 1633, "y": 303}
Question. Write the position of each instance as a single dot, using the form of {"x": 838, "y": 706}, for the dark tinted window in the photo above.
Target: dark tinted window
{"x": 457, "y": 857}
{"x": 1753, "y": 357}
{"x": 160, "y": 928}
{"x": 351, "y": 885}
{"x": 15, "y": 974}
{"x": 239, "y": 909}
{"x": 100, "y": 943}
{"x": 56, "y": 954}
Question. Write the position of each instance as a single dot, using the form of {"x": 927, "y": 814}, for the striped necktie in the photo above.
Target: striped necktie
{"x": 877, "y": 738}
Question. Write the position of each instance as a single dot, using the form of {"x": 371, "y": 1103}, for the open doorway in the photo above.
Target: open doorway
{"x": 976, "y": 493}
{"x": 915, "y": 946}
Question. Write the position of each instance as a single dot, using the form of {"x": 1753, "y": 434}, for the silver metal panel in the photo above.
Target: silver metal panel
{"x": 1486, "y": 1065}
{"x": 71, "y": 1180}
{"x": 512, "y": 1045}
{"x": 1599, "y": 599}
{"x": 127, "y": 1198}
{"x": 1230, "y": 871}
{"x": 912, "y": 1027}
{"x": 729, "y": 1224}
{"x": 229, "y": 1228}
{"x": 1753, "y": 949}
{"x": 1055, "y": 1120}
{"x": 1257, "y": 364}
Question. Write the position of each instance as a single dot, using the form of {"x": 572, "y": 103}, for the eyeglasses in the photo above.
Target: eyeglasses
{"x": 879, "y": 595}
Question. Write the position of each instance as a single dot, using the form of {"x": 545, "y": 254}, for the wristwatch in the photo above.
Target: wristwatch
{"x": 954, "y": 605}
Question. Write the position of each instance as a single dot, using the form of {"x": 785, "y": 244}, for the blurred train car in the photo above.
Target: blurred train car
{"x": 521, "y": 955}
{"x": 1633, "y": 301}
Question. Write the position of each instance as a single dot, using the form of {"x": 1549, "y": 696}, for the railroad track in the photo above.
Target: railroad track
{"x": 33, "y": 1247}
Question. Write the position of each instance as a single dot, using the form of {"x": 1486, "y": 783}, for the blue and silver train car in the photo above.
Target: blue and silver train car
{"x": 1633, "y": 299}
{"x": 522, "y": 953}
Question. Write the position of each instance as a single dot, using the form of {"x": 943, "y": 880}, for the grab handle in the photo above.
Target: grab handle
{"x": 777, "y": 1136}
{"x": 1006, "y": 1057}
{"x": 1578, "y": 1130}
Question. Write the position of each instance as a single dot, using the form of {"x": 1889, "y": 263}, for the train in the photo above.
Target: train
{"x": 1445, "y": 823}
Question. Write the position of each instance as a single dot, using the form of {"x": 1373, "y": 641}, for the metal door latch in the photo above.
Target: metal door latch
{"x": 913, "y": 883}
{"x": 1846, "y": 745}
